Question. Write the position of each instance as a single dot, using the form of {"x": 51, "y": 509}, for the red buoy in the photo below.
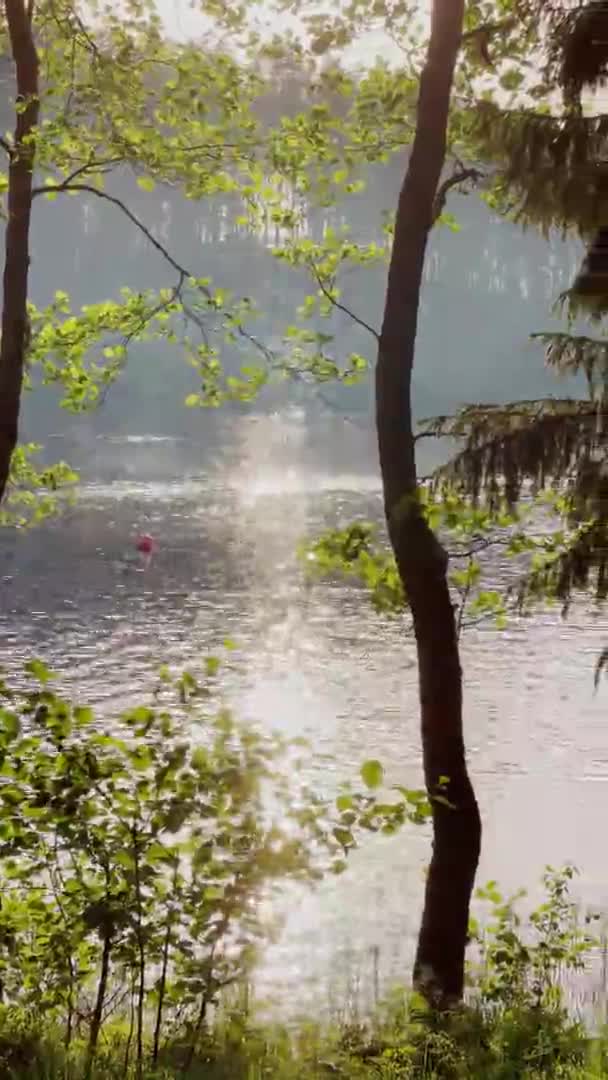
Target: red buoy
{"x": 145, "y": 544}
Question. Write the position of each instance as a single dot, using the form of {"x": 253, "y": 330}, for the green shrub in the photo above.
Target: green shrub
{"x": 132, "y": 859}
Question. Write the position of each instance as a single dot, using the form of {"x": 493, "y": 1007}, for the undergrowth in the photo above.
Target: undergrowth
{"x": 132, "y": 862}
{"x": 515, "y": 1023}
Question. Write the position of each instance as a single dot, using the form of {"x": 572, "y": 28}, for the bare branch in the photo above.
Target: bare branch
{"x": 482, "y": 544}
{"x": 91, "y": 190}
{"x": 341, "y": 307}
{"x": 91, "y": 166}
{"x": 6, "y": 146}
{"x": 459, "y": 176}
{"x": 464, "y": 596}
{"x": 488, "y": 29}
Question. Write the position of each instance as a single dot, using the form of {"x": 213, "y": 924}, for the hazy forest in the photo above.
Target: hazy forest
{"x": 303, "y": 539}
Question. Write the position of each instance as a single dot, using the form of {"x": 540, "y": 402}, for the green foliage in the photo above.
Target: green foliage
{"x": 525, "y": 971}
{"x": 34, "y": 494}
{"x": 134, "y": 856}
{"x": 355, "y": 553}
{"x": 573, "y": 353}
{"x": 547, "y": 166}
{"x": 515, "y": 1024}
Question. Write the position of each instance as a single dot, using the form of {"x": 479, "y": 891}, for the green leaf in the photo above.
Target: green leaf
{"x": 39, "y": 671}
{"x": 344, "y": 837}
{"x": 212, "y": 665}
{"x": 372, "y": 773}
{"x": 10, "y": 725}
{"x": 344, "y": 802}
{"x": 83, "y": 715}
{"x": 146, "y": 183}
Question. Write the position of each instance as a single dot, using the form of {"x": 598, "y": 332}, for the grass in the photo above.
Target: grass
{"x": 513, "y": 1045}
{"x": 514, "y": 1025}
{"x": 401, "y": 1042}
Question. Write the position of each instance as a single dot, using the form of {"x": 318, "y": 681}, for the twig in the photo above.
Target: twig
{"x": 341, "y": 307}
{"x": 66, "y": 186}
{"x": 482, "y": 545}
{"x": 459, "y": 176}
{"x": 464, "y": 595}
{"x": 90, "y": 165}
{"x": 488, "y": 29}
{"x": 425, "y": 435}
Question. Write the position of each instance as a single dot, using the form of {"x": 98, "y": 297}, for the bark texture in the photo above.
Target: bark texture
{"x": 422, "y": 561}
{"x": 592, "y": 279}
{"x": 19, "y": 205}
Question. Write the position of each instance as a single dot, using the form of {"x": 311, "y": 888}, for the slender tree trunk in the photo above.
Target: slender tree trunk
{"x": 422, "y": 561}
{"x": 19, "y": 204}
{"x": 592, "y": 278}
{"x": 97, "y": 1018}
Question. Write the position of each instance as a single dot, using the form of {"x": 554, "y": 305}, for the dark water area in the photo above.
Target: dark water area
{"x": 228, "y": 514}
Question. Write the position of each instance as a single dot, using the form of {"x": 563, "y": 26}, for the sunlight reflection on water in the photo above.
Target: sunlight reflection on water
{"x": 318, "y": 662}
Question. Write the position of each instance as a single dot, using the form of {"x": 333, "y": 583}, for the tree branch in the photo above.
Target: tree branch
{"x": 425, "y": 435}
{"x": 459, "y": 176}
{"x": 487, "y": 29}
{"x": 341, "y": 307}
{"x": 91, "y": 166}
{"x": 183, "y": 273}
{"x": 91, "y": 190}
{"x": 6, "y": 146}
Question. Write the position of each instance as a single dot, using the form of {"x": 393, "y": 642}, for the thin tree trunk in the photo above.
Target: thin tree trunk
{"x": 141, "y": 974}
{"x": 19, "y": 205}
{"x": 125, "y": 1066}
{"x": 162, "y": 987}
{"x": 422, "y": 561}
{"x": 97, "y": 1018}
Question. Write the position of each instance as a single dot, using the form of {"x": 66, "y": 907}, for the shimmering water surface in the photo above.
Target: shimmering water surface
{"x": 312, "y": 661}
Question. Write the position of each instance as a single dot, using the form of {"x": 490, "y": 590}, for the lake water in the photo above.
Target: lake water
{"x": 312, "y": 661}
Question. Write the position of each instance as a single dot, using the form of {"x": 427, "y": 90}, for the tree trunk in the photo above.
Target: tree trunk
{"x": 422, "y": 561}
{"x": 19, "y": 204}
{"x": 592, "y": 278}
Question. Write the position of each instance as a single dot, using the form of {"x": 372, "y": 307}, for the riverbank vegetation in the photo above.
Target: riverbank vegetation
{"x": 138, "y": 854}
{"x": 515, "y": 1023}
